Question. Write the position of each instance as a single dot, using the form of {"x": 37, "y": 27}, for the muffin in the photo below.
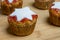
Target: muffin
{"x": 43, "y": 4}
{"x": 54, "y": 12}
{"x": 8, "y": 6}
{"x": 17, "y": 3}
{"x": 21, "y": 22}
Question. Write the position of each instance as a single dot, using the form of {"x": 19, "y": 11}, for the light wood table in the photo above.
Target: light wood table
{"x": 43, "y": 30}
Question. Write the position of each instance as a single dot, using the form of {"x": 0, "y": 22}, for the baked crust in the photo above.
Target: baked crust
{"x": 6, "y": 9}
{"x": 21, "y": 28}
{"x": 55, "y": 16}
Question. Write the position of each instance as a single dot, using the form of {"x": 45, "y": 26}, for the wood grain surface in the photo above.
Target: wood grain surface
{"x": 43, "y": 29}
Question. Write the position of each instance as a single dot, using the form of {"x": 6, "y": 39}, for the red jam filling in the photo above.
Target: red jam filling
{"x": 23, "y": 20}
{"x": 12, "y": 18}
{"x": 14, "y": 1}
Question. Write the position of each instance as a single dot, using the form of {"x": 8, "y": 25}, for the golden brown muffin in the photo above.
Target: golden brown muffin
{"x": 8, "y": 7}
{"x": 17, "y": 3}
{"x": 43, "y": 4}
{"x": 23, "y": 27}
{"x": 54, "y": 12}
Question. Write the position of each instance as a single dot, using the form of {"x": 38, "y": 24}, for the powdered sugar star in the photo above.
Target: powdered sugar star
{"x": 23, "y": 13}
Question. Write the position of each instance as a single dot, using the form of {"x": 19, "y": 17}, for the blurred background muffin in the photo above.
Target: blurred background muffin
{"x": 43, "y": 4}
{"x": 8, "y": 6}
{"x": 17, "y": 3}
{"x": 54, "y": 12}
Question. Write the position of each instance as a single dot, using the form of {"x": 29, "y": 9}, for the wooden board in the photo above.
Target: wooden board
{"x": 43, "y": 30}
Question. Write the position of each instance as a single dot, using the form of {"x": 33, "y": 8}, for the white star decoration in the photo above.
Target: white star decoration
{"x": 10, "y": 1}
{"x": 23, "y": 13}
{"x": 56, "y": 5}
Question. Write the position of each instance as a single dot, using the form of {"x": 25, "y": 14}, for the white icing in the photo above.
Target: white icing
{"x": 10, "y": 1}
{"x": 56, "y": 5}
{"x": 25, "y": 8}
{"x": 23, "y": 13}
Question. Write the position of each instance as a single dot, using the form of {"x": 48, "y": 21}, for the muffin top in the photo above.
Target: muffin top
{"x": 23, "y": 13}
{"x": 55, "y": 8}
{"x": 56, "y": 5}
